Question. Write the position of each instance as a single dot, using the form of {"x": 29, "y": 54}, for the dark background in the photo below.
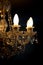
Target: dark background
{"x": 26, "y": 9}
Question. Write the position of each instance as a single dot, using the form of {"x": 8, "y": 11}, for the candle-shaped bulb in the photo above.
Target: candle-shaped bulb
{"x": 30, "y": 23}
{"x": 16, "y": 20}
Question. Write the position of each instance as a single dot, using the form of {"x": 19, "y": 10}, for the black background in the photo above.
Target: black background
{"x": 26, "y": 9}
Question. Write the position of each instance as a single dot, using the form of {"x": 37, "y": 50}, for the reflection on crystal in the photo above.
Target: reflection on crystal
{"x": 20, "y": 37}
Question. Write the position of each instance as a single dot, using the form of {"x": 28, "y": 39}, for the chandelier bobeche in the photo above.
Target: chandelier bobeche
{"x": 14, "y": 40}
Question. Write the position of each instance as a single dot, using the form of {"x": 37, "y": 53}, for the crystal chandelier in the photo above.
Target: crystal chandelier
{"x": 14, "y": 40}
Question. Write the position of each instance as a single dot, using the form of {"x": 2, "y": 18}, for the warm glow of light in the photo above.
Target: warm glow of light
{"x": 16, "y": 20}
{"x": 30, "y": 23}
{"x": 0, "y": 11}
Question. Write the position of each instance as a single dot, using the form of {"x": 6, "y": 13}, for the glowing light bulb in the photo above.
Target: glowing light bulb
{"x": 16, "y": 20}
{"x": 30, "y": 23}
